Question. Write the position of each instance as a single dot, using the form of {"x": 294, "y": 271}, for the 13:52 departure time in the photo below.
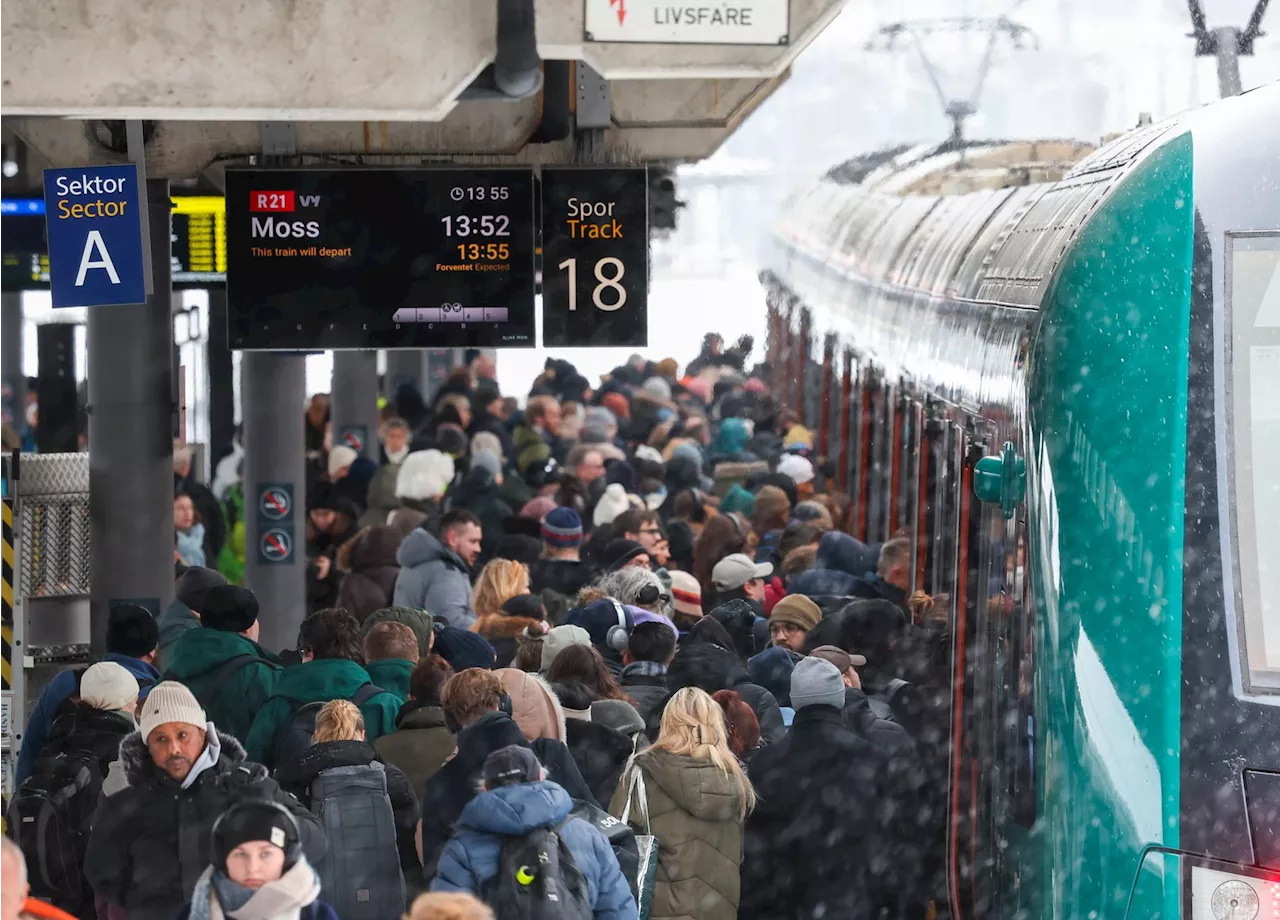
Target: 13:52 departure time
{"x": 465, "y": 225}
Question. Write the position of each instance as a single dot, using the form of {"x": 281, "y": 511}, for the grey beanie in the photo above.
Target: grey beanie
{"x": 816, "y": 682}
{"x": 487, "y": 460}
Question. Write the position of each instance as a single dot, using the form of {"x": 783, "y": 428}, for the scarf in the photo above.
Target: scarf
{"x": 216, "y": 897}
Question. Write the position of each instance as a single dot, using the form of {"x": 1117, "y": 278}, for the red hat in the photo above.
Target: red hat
{"x": 617, "y": 404}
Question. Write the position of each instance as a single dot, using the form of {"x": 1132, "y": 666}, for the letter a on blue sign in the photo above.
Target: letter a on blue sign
{"x": 94, "y": 218}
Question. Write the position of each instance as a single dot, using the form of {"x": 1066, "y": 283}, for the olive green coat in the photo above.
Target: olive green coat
{"x": 694, "y": 811}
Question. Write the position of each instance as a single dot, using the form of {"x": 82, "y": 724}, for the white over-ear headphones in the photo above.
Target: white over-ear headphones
{"x": 616, "y": 638}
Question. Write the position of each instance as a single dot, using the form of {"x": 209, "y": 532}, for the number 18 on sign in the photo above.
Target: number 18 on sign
{"x": 595, "y": 257}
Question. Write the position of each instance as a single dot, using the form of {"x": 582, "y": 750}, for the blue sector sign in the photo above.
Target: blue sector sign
{"x": 94, "y": 220}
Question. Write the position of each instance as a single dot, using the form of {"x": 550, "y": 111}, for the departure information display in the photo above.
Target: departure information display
{"x": 199, "y": 240}
{"x": 25, "y": 256}
{"x": 198, "y": 230}
{"x": 380, "y": 258}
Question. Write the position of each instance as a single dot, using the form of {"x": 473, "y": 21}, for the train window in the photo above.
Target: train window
{"x": 1253, "y": 292}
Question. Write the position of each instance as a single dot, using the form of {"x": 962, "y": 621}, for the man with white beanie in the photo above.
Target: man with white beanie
{"x": 151, "y": 839}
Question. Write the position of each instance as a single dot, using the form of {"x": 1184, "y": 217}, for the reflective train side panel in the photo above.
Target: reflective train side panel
{"x": 1112, "y": 681}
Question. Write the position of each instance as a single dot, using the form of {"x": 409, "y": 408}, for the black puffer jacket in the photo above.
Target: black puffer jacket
{"x": 87, "y": 729}
{"x": 297, "y": 776}
{"x": 458, "y": 781}
{"x": 712, "y": 668}
{"x": 646, "y": 684}
{"x": 600, "y": 753}
{"x": 816, "y": 844}
{"x": 150, "y": 841}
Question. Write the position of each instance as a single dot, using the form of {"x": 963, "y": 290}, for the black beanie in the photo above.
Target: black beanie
{"x": 256, "y": 820}
{"x": 230, "y": 608}
{"x": 132, "y": 631}
{"x": 194, "y": 584}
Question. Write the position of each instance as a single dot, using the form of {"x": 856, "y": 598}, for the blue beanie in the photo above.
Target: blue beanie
{"x": 772, "y": 670}
{"x": 463, "y": 649}
{"x": 562, "y": 528}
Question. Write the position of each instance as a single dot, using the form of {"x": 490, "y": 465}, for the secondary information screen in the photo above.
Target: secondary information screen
{"x": 380, "y": 258}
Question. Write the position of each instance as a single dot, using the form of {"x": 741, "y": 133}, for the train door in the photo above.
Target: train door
{"x": 992, "y": 781}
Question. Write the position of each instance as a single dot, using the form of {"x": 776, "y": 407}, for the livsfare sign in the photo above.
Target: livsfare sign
{"x": 660, "y": 22}
{"x": 93, "y": 216}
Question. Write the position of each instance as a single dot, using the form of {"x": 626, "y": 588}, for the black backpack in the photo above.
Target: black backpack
{"x": 49, "y": 820}
{"x": 538, "y": 880}
{"x": 621, "y": 838}
{"x": 882, "y": 700}
{"x": 295, "y": 735}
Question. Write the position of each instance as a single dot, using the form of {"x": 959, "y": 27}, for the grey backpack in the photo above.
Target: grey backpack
{"x": 360, "y": 873}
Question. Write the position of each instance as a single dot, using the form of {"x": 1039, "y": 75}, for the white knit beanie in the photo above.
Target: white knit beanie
{"x": 340, "y": 458}
{"x": 109, "y": 686}
{"x": 611, "y": 504}
{"x": 170, "y": 701}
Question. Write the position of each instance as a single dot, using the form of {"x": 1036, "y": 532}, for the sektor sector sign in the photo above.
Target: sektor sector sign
{"x": 94, "y": 222}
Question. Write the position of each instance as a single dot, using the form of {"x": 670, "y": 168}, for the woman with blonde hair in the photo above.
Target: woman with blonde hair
{"x": 339, "y": 743}
{"x": 504, "y": 607}
{"x": 690, "y": 792}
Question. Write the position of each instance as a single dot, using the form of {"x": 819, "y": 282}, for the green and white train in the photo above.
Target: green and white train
{"x": 1059, "y": 371}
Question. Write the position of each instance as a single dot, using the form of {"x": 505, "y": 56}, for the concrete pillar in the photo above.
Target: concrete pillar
{"x": 273, "y": 394}
{"x": 222, "y": 408}
{"x": 131, "y": 426}
{"x": 15, "y": 381}
{"x": 404, "y": 365}
{"x": 353, "y": 400}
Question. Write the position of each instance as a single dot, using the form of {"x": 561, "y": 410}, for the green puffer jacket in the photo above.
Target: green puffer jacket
{"x": 391, "y": 674}
{"x": 319, "y": 680}
{"x": 231, "y": 704}
{"x": 695, "y": 812}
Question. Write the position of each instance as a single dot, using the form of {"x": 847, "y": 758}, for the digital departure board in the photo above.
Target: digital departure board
{"x": 199, "y": 228}
{"x": 24, "y": 261}
{"x": 199, "y": 243}
{"x": 380, "y": 258}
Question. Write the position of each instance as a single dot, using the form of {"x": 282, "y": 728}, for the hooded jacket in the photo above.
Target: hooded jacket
{"x": 195, "y": 659}
{"x": 151, "y": 841}
{"x": 694, "y": 811}
{"x": 420, "y": 744}
{"x": 369, "y": 561}
{"x": 842, "y": 553}
{"x": 318, "y": 680}
{"x": 392, "y": 675}
{"x": 298, "y": 775}
{"x": 562, "y": 577}
{"x": 381, "y": 499}
{"x": 433, "y": 579}
{"x": 455, "y": 784}
{"x": 711, "y": 668}
{"x": 479, "y": 494}
{"x": 822, "y": 583}
{"x": 472, "y": 858}
{"x": 53, "y": 696}
{"x": 600, "y": 752}
{"x": 816, "y": 845}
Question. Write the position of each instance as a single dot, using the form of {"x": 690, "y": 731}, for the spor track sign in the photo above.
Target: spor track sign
{"x": 696, "y": 22}
{"x": 595, "y": 257}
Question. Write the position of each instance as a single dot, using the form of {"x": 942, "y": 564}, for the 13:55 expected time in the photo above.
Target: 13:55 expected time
{"x": 493, "y": 252}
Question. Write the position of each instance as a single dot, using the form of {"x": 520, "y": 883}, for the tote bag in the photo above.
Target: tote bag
{"x": 646, "y": 843}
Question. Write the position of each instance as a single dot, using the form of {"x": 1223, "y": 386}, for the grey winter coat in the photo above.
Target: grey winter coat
{"x": 150, "y": 841}
{"x": 433, "y": 579}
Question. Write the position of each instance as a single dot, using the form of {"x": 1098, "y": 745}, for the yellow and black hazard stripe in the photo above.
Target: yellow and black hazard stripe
{"x": 6, "y": 590}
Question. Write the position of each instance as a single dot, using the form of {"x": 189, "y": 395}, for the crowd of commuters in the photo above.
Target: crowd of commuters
{"x": 539, "y": 641}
